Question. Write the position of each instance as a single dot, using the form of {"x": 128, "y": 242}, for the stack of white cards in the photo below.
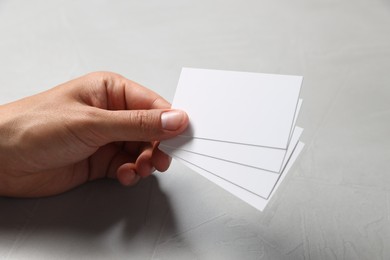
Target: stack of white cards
{"x": 242, "y": 134}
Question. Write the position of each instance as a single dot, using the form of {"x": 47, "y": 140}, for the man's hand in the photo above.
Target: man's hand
{"x": 97, "y": 126}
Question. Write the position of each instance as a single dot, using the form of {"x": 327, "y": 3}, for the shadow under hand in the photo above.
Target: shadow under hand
{"x": 96, "y": 215}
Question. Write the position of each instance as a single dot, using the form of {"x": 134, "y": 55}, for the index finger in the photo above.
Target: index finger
{"x": 112, "y": 91}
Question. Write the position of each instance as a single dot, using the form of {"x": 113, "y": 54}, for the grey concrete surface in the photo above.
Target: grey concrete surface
{"x": 333, "y": 205}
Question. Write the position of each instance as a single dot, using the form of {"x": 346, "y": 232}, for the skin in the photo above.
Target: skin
{"x": 101, "y": 125}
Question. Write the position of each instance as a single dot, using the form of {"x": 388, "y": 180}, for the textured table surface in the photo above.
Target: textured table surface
{"x": 335, "y": 203}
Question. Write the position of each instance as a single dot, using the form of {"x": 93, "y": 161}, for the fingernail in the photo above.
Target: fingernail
{"x": 172, "y": 120}
{"x": 129, "y": 178}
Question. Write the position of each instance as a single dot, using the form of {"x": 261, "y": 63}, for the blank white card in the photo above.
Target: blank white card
{"x": 220, "y": 104}
{"x": 266, "y": 158}
{"x": 242, "y": 134}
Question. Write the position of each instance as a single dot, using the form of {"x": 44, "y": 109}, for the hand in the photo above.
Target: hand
{"x": 97, "y": 126}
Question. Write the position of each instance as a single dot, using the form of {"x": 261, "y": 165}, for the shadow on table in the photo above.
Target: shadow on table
{"x": 90, "y": 212}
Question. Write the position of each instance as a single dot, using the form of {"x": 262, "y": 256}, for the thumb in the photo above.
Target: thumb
{"x": 140, "y": 125}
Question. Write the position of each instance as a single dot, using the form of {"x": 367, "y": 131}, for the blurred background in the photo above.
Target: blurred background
{"x": 334, "y": 204}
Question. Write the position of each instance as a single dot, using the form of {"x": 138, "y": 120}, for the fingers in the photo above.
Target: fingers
{"x": 148, "y": 161}
{"x": 138, "y": 125}
{"x": 118, "y": 109}
{"x": 151, "y": 159}
{"x": 123, "y": 168}
{"x": 126, "y": 174}
{"x": 160, "y": 160}
{"x": 122, "y": 110}
{"x": 128, "y": 168}
{"x": 112, "y": 91}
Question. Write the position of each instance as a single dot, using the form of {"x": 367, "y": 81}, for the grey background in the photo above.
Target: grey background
{"x": 334, "y": 204}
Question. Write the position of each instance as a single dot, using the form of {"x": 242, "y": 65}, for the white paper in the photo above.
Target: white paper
{"x": 250, "y": 198}
{"x": 269, "y": 159}
{"x": 258, "y": 181}
{"x": 238, "y": 107}
{"x": 266, "y": 158}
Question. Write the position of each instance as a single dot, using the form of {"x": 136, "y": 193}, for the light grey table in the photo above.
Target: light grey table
{"x": 334, "y": 203}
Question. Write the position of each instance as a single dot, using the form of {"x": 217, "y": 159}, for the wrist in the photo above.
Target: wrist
{"x": 7, "y": 127}
{"x": 4, "y": 151}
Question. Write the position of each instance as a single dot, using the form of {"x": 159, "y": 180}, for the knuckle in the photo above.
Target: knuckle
{"x": 145, "y": 122}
